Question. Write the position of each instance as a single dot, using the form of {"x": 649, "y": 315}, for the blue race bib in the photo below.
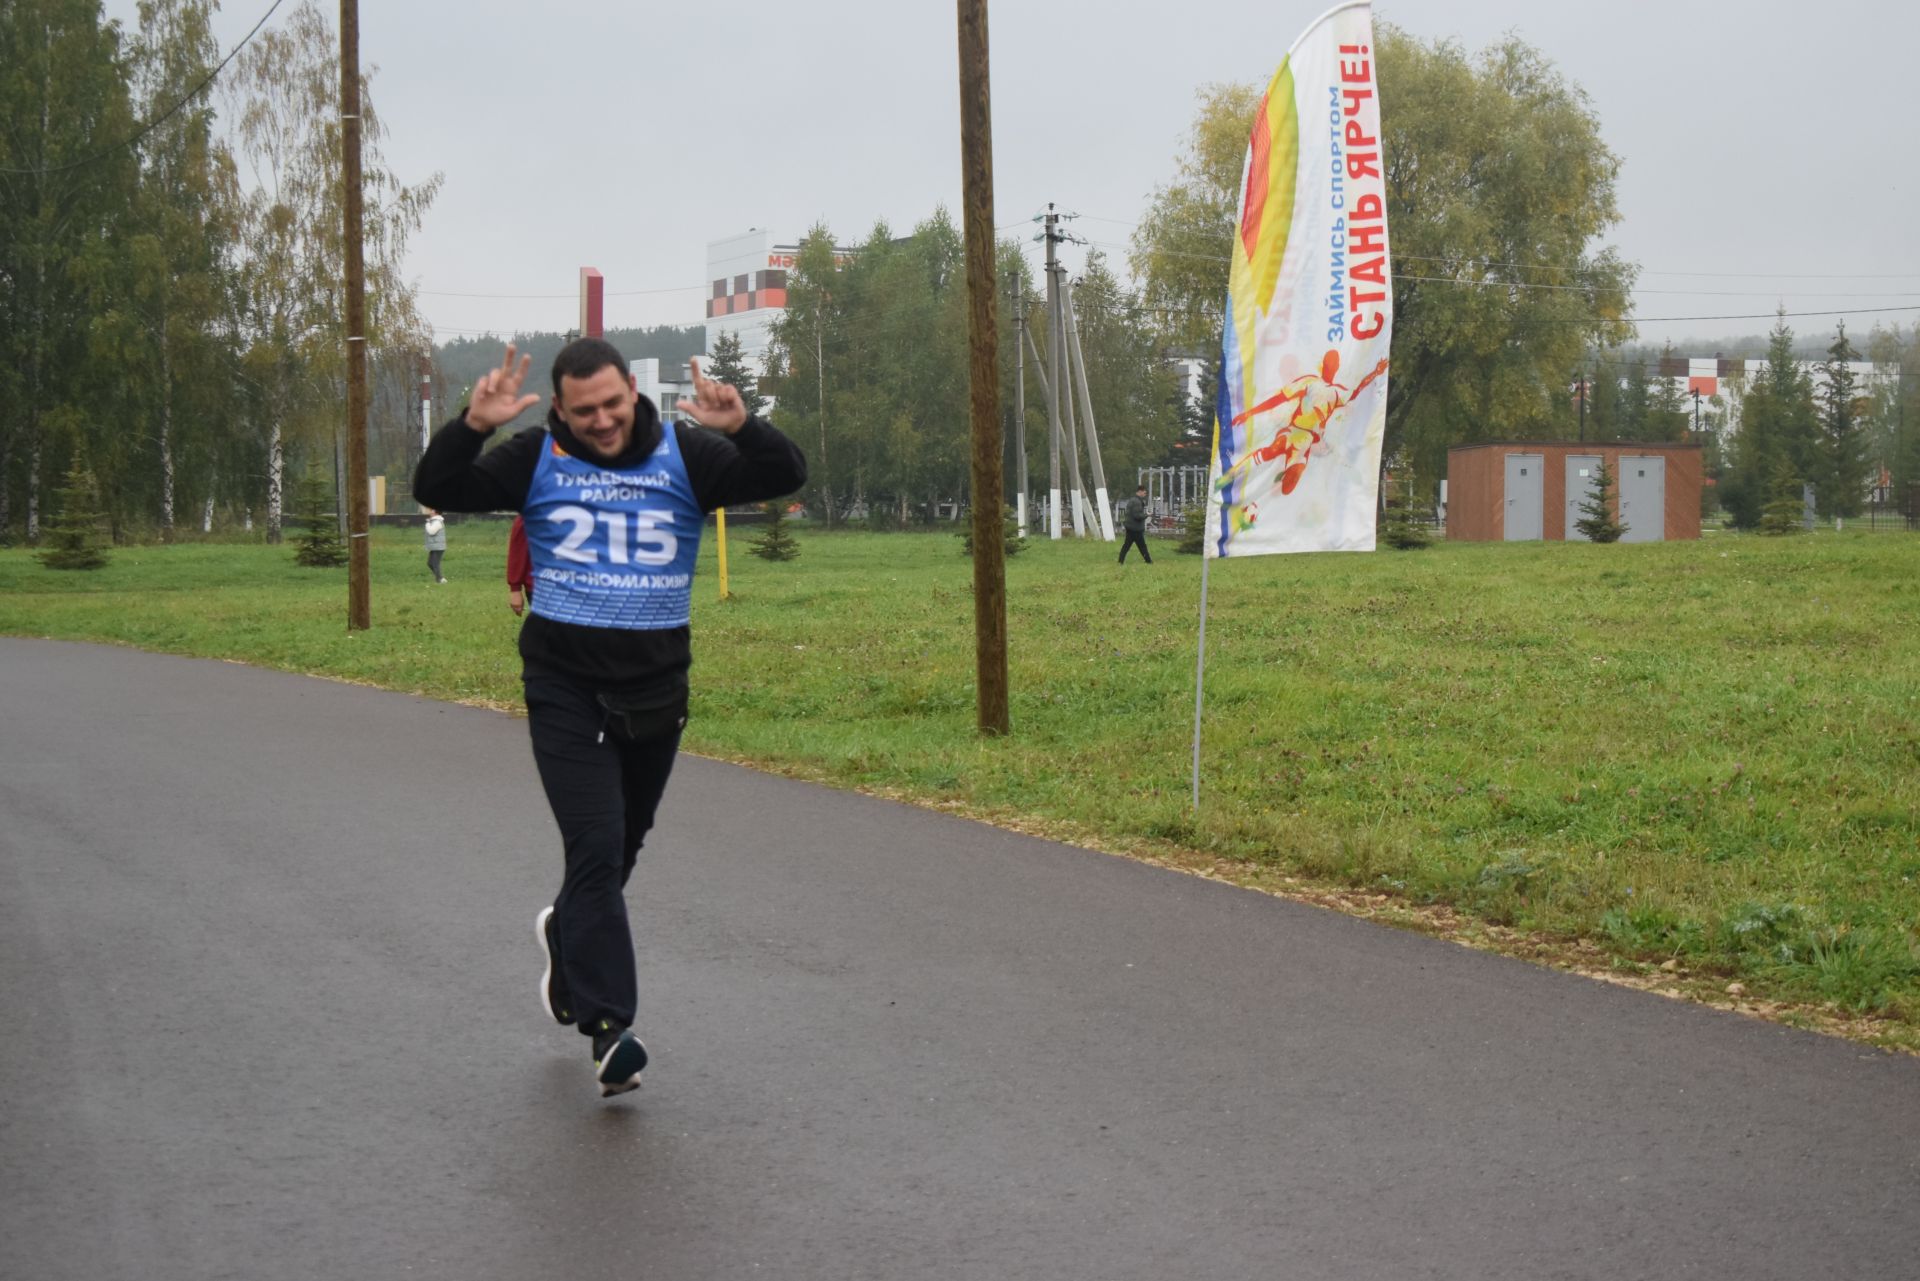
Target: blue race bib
{"x": 611, "y": 547}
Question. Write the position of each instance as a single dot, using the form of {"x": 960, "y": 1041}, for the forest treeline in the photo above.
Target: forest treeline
{"x": 171, "y": 318}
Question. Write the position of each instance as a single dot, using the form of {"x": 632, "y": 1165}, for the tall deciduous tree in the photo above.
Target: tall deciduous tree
{"x": 67, "y": 175}
{"x": 286, "y": 88}
{"x": 802, "y": 349}
{"x": 169, "y": 333}
{"x": 1133, "y": 391}
{"x": 1498, "y": 187}
{"x": 1180, "y": 248}
{"x": 876, "y": 334}
{"x": 1894, "y": 405}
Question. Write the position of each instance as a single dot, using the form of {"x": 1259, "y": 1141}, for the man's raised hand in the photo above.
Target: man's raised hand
{"x": 496, "y": 397}
{"x": 714, "y": 404}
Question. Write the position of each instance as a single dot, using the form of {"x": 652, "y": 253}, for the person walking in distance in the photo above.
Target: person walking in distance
{"x": 613, "y": 500}
{"x": 436, "y": 537}
{"x": 1134, "y": 512}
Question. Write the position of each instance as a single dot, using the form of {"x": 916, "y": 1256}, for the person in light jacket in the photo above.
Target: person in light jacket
{"x": 436, "y": 543}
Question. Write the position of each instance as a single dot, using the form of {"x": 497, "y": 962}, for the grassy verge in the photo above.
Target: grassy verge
{"x": 1695, "y": 766}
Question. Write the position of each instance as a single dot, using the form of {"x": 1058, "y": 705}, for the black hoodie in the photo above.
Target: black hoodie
{"x": 754, "y": 464}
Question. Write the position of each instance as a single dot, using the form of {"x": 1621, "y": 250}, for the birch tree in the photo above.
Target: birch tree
{"x": 292, "y": 272}
{"x": 171, "y": 336}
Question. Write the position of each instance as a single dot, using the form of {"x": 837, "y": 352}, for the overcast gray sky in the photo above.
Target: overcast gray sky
{"x": 1768, "y": 148}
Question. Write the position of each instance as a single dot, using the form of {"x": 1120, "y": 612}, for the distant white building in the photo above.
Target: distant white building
{"x": 1706, "y": 377}
{"x": 662, "y": 382}
{"x": 1192, "y": 372}
{"x": 749, "y": 290}
{"x": 748, "y": 275}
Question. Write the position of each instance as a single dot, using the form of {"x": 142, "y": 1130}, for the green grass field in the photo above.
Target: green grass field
{"x": 1704, "y": 755}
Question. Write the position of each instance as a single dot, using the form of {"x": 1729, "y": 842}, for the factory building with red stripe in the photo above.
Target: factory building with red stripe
{"x": 747, "y": 289}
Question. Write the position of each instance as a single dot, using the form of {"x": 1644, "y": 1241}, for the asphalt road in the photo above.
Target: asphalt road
{"x": 269, "y": 1011}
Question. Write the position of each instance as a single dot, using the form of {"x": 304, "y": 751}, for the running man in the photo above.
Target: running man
{"x": 614, "y": 502}
{"x": 1315, "y": 400}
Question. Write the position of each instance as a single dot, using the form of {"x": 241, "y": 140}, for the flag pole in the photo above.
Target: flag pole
{"x": 1200, "y": 678}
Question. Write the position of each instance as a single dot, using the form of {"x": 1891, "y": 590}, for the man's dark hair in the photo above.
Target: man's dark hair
{"x": 585, "y": 357}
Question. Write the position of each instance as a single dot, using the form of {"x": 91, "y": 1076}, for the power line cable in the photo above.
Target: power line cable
{"x": 1525, "y": 284}
{"x": 1135, "y": 307}
{"x": 1214, "y": 313}
{"x": 1645, "y": 271}
{"x": 616, "y": 293}
{"x": 873, "y": 294}
{"x": 164, "y": 116}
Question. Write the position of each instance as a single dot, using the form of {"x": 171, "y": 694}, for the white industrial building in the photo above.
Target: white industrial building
{"x": 1706, "y": 378}
{"x": 748, "y": 289}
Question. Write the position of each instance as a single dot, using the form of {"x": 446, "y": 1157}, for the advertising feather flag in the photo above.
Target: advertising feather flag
{"x": 1300, "y": 408}
{"x": 1301, "y": 405}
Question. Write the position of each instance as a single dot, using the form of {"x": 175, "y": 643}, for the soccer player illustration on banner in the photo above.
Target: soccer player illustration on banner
{"x": 614, "y": 501}
{"x": 1315, "y": 398}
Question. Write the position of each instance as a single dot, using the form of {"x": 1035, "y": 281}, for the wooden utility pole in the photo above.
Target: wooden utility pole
{"x": 989, "y": 534}
{"x": 358, "y": 610}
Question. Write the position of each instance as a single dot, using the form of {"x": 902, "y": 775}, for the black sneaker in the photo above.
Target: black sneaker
{"x": 618, "y": 1059}
{"x": 554, "y": 997}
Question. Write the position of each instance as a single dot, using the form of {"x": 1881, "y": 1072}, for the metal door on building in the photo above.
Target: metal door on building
{"x": 1643, "y": 499}
{"x": 1526, "y": 497}
{"x": 1583, "y": 477}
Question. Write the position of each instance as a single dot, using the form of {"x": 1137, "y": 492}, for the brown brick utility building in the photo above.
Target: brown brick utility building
{"x": 1520, "y": 490}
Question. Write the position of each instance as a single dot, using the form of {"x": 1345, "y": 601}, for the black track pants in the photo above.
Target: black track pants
{"x": 1132, "y": 541}
{"x": 603, "y": 792}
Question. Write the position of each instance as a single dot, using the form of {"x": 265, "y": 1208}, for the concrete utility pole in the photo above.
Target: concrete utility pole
{"x": 989, "y": 534}
{"x": 1053, "y": 380}
{"x": 1082, "y": 516}
{"x": 1102, "y": 503}
{"x": 1020, "y": 405}
{"x": 820, "y": 369}
{"x": 358, "y": 606}
{"x": 1039, "y": 365}
{"x": 426, "y": 400}
{"x": 1046, "y": 391}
